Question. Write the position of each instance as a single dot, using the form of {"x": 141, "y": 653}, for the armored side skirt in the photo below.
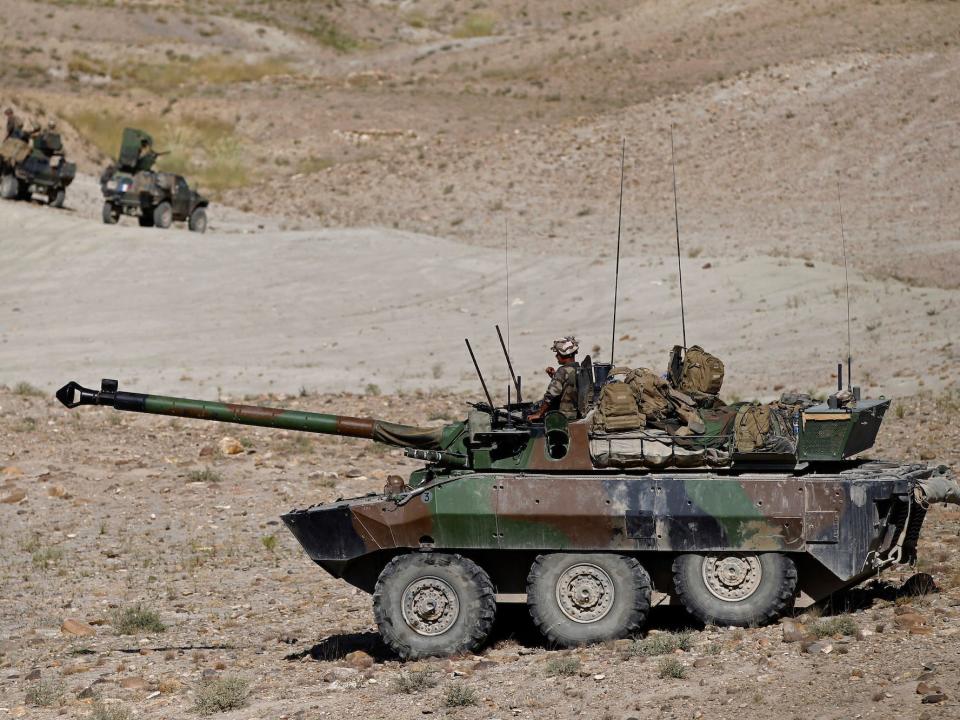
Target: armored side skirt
{"x": 838, "y": 527}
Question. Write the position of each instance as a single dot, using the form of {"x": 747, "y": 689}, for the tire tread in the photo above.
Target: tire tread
{"x": 635, "y": 622}
{"x": 783, "y": 596}
{"x": 486, "y": 598}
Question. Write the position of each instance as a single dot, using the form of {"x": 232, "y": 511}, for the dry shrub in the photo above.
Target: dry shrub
{"x": 221, "y": 694}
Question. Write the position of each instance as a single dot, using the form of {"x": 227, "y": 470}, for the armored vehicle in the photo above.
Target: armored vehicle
{"x": 582, "y": 523}
{"x": 156, "y": 199}
{"x": 40, "y": 169}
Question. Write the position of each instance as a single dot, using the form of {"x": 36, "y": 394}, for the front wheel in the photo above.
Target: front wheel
{"x": 742, "y": 590}
{"x": 9, "y": 187}
{"x": 198, "y": 220}
{"x": 163, "y": 215}
{"x": 577, "y": 599}
{"x": 110, "y": 214}
{"x": 433, "y": 604}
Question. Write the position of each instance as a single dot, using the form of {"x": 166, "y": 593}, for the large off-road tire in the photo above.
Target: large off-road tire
{"x": 198, "y": 220}
{"x": 110, "y": 214}
{"x": 163, "y": 215}
{"x": 433, "y": 604}
{"x": 580, "y": 598}
{"x": 9, "y": 187}
{"x": 57, "y": 197}
{"x": 735, "y": 589}
{"x": 145, "y": 218}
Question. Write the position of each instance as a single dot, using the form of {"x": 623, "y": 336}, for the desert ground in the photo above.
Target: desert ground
{"x": 388, "y": 179}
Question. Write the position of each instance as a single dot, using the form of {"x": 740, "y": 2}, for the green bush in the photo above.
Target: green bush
{"x": 563, "y": 665}
{"x": 670, "y": 667}
{"x": 660, "y": 644}
{"x": 840, "y": 625}
{"x": 137, "y": 619}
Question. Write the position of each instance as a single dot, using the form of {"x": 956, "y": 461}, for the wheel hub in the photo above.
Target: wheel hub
{"x": 585, "y": 593}
{"x": 732, "y": 577}
{"x": 430, "y": 606}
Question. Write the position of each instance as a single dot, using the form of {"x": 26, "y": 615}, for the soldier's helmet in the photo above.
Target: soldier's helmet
{"x": 565, "y": 346}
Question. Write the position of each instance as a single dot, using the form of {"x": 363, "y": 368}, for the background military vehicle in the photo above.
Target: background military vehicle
{"x": 156, "y": 199}
{"x": 40, "y": 169}
{"x": 506, "y": 510}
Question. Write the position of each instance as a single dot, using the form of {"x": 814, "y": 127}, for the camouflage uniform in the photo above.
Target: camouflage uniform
{"x": 14, "y": 125}
{"x": 562, "y": 391}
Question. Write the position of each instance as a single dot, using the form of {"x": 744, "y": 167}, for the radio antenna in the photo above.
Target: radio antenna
{"x": 506, "y": 353}
{"x": 479, "y": 375}
{"x": 506, "y": 263}
{"x": 846, "y": 279}
{"x": 676, "y": 221}
{"x": 616, "y": 276}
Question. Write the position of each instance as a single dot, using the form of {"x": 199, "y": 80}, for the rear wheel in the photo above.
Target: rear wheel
{"x": 110, "y": 214}
{"x": 576, "y": 599}
{"x": 729, "y": 589}
{"x": 9, "y": 187}
{"x": 56, "y": 197}
{"x": 198, "y": 220}
{"x": 433, "y": 604}
{"x": 163, "y": 215}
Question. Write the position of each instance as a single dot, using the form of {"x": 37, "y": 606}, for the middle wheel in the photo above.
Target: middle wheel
{"x": 579, "y": 598}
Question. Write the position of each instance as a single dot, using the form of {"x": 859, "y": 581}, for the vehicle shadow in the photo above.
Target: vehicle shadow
{"x": 514, "y": 624}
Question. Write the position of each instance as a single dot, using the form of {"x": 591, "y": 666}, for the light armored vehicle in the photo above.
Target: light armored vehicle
{"x": 581, "y": 523}
{"x": 40, "y": 169}
{"x": 156, "y": 199}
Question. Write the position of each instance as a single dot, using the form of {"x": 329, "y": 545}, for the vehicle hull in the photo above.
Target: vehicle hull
{"x": 840, "y": 527}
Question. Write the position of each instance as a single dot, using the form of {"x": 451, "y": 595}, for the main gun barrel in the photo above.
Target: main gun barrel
{"x": 73, "y": 394}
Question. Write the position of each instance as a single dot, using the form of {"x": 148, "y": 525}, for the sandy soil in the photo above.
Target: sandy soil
{"x": 386, "y": 159}
{"x": 171, "y": 312}
{"x": 120, "y": 509}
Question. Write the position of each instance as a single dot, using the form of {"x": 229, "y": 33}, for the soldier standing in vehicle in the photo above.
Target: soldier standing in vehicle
{"x": 561, "y": 393}
{"x": 14, "y": 124}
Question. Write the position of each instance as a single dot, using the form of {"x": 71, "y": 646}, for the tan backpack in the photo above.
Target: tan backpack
{"x": 700, "y": 371}
{"x": 617, "y": 409}
{"x": 762, "y": 428}
{"x": 651, "y": 391}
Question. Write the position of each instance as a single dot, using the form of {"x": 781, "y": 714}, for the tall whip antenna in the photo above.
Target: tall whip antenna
{"x": 616, "y": 276}
{"x": 506, "y": 262}
{"x": 846, "y": 279}
{"x": 676, "y": 220}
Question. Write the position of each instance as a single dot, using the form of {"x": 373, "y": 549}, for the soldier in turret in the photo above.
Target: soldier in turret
{"x": 561, "y": 393}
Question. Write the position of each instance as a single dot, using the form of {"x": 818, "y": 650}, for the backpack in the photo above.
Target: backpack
{"x": 699, "y": 372}
{"x": 763, "y": 429}
{"x": 651, "y": 392}
{"x": 617, "y": 409}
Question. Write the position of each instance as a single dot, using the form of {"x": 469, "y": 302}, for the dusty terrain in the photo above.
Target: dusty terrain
{"x": 368, "y": 163}
{"x": 120, "y": 509}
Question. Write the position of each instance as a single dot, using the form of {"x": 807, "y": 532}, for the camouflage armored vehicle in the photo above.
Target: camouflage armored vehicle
{"x": 580, "y": 523}
{"x": 40, "y": 169}
{"x": 156, "y": 199}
